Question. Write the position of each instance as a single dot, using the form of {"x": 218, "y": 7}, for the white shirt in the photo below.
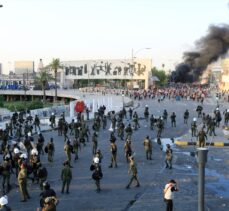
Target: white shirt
{"x": 168, "y": 194}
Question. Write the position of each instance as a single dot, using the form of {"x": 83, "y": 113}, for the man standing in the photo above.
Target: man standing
{"x": 113, "y": 149}
{"x": 148, "y": 148}
{"x": 173, "y": 119}
{"x": 40, "y": 143}
{"x": 130, "y": 113}
{"x": 169, "y": 190}
{"x": 22, "y": 182}
{"x": 97, "y": 174}
{"x": 66, "y": 177}
{"x": 104, "y": 121}
{"x": 128, "y": 131}
{"x": 76, "y": 147}
{"x": 134, "y": 171}
{"x": 52, "y": 120}
{"x": 6, "y": 170}
{"x": 202, "y": 137}
{"x": 186, "y": 116}
{"x": 194, "y": 127}
{"x": 37, "y": 123}
{"x": 68, "y": 150}
{"x": 146, "y": 113}
{"x": 128, "y": 149}
{"x": 94, "y": 143}
{"x": 168, "y": 157}
{"x": 50, "y": 150}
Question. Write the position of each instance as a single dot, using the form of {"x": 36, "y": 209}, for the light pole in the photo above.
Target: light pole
{"x": 202, "y": 160}
{"x": 133, "y": 56}
{"x": 123, "y": 101}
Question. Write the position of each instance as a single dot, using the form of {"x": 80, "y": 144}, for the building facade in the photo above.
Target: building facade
{"x": 109, "y": 71}
{"x": 24, "y": 67}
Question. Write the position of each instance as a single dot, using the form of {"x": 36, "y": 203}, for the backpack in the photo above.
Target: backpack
{"x": 97, "y": 174}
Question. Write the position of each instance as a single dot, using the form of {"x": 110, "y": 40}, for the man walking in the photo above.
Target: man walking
{"x": 134, "y": 171}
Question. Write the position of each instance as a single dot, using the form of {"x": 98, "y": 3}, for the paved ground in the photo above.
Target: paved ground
{"x": 152, "y": 174}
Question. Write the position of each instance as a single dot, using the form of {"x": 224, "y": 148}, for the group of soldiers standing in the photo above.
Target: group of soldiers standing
{"x": 23, "y": 156}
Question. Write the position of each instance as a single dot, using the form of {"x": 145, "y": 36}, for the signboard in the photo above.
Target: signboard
{"x": 79, "y": 107}
{"x": 107, "y": 69}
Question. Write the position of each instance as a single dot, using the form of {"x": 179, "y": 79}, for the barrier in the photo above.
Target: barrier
{"x": 215, "y": 144}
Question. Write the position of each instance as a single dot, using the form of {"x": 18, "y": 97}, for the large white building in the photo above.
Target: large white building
{"x": 117, "y": 70}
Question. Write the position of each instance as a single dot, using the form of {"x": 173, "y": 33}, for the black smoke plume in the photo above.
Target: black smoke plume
{"x": 208, "y": 49}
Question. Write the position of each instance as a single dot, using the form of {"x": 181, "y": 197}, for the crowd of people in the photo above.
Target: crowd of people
{"x": 23, "y": 143}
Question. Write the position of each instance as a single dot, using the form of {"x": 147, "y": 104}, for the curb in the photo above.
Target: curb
{"x": 187, "y": 143}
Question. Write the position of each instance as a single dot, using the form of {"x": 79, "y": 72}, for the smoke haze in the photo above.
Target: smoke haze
{"x": 208, "y": 49}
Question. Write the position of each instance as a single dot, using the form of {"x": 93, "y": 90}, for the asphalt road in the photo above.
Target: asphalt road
{"x": 152, "y": 174}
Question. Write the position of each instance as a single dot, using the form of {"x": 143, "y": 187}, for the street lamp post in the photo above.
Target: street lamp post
{"x": 123, "y": 101}
{"x": 133, "y": 56}
{"x": 202, "y": 160}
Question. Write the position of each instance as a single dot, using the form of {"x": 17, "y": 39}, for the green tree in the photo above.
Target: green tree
{"x": 161, "y": 76}
{"x": 42, "y": 79}
{"x": 54, "y": 66}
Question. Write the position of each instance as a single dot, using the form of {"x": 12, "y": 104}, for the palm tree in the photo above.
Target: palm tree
{"x": 42, "y": 79}
{"x": 54, "y": 66}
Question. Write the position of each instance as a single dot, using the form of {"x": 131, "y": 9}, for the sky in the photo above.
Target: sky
{"x": 104, "y": 29}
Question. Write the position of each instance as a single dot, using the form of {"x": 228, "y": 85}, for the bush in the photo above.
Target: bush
{"x": 22, "y": 105}
{"x": 35, "y": 105}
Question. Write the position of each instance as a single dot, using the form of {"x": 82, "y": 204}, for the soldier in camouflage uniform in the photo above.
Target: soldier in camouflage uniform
{"x": 202, "y": 137}
{"x": 22, "y": 182}
{"x": 68, "y": 150}
{"x": 94, "y": 143}
{"x": 76, "y": 148}
{"x": 148, "y": 148}
{"x": 37, "y": 123}
{"x": 113, "y": 149}
{"x": 66, "y": 177}
{"x": 134, "y": 171}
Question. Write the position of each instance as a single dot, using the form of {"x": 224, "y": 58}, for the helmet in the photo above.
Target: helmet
{"x": 29, "y": 134}
{"x": 16, "y": 150}
{"x": 146, "y": 105}
{"x": 46, "y": 184}
{"x": 217, "y": 109}
{"x": 194, "y": 119}
{"x": 3, "y": 200}
{"x": 96, "y": 160}
{"x": 52, "y": 113}
{"x": 24, "y": 156}
{"x": 34, "y": 152}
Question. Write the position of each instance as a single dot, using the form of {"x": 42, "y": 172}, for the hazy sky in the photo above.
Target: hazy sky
{"x": 104, "y": 29}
